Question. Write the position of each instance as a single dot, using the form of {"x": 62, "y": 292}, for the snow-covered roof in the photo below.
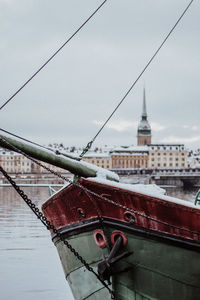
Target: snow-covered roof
{"x": 130, "y": 153}
{"x": 97, "y": 155}
{"x": 144, "y": 126}
{"x": 131, "y": 149}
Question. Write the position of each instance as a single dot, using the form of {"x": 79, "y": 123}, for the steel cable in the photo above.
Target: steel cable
{"x": 55, "y": 53}
{"x": 141, "y": 73}
{"x": 26, "y": 140}
{"x": 97, "y": 195}
{"x": 51, "y": 227}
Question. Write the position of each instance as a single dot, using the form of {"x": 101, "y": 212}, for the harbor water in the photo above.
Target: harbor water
{"x": 30, "y": 266}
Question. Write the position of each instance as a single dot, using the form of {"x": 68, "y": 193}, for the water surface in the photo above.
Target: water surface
{"x": 30, "y": 266}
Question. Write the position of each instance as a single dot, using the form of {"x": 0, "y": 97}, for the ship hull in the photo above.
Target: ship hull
{"x": 164, "y": 264}
{"x": 159, "y": 268}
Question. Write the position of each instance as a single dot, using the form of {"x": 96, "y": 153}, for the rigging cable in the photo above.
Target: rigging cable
{"x": 54, "y": 54}
{"x": 52, "y": 228}
{"x": 124, "y": 207}
{"x": 26, "y": 140}
{"x": 57, "y": 152}
{"x": 136, "y": 80}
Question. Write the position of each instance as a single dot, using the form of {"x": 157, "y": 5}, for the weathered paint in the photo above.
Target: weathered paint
{"x": 158, "y": 270}
{"x": 63, "y": 209}
{"x": 71, "y": 164}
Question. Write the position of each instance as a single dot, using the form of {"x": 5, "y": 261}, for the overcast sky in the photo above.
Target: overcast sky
{"x": 77, "y": 91}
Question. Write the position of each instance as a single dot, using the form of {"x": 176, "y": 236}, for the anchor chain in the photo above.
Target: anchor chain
{"x": 124, "y": 207}
{"x": 100, "y": 218}
{"x": 51, "y": 227}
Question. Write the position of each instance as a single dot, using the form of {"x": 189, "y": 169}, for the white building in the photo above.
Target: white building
{"x": 169, "y": 156}
{"x": 13, "y": 162}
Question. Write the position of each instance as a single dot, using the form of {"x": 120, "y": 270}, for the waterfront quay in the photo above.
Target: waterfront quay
{"x": 187, "y": 177}
{"x": 37, "y": 178}
{"x": 184, "y": 177}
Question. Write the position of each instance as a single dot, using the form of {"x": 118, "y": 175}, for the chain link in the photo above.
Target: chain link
{"x": 51, "y": 227}
{"x": 100, "y": 218}
{"x": 97, "y": 195}
{"x": 140, "y": 214}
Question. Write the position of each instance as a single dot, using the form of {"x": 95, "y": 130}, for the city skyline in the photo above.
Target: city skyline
{"x": 73, "y": 96}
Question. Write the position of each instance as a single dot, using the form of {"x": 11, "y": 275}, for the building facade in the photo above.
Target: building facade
{"x": 13, "y": 162}
{"x": 99, "y": 159}
{"x": 155, "y": 156}
{"x": 163, "y": 156}
{"x": 16, "y": 163}
{"x": 130, "y": 157}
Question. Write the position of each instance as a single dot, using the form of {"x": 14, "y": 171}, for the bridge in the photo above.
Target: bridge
{"x": 176, "y": 177}
{"x": 186, "y": 177}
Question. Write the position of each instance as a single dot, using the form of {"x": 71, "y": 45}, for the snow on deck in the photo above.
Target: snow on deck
{"x": 146, "y": 189}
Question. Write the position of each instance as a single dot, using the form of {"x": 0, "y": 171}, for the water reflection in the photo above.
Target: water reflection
{"x": 184, "y": 194}
{"x": 30, "y": 265}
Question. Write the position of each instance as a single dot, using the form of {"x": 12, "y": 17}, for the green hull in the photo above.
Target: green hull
{"x": 157, "y": 270}
{"x": 163, "y": 236}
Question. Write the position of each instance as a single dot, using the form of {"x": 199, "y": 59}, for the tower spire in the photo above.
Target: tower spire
{"x": 144, "y": 110}
{"x": 144, "y": 129}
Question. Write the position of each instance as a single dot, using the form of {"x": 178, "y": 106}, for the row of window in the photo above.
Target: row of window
{"x": 170, "y": 159}
{"x": 14, "y": 170}
{"x": 13, "y": 157}
{"x": 14, "y": 163}
{"x": 101, "y": 161}
{"x": 130, "y": 163}
{"x": 165, "y": 148}
{"x": 165, "y": 165}
{"x": 169, "y": 153}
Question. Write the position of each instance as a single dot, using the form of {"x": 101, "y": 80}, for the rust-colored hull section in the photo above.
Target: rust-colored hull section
{"x": 72, "y": 205}
{"x": 162, "y": 236}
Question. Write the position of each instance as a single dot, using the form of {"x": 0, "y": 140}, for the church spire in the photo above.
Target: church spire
{"x": 144, "y": 129}
{"x": 144, "y": 110}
